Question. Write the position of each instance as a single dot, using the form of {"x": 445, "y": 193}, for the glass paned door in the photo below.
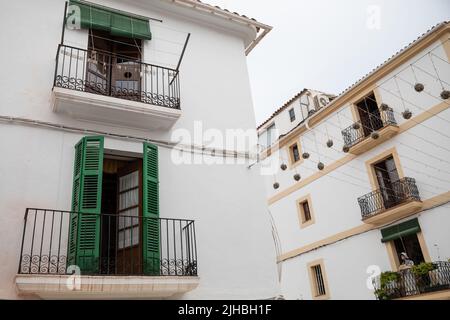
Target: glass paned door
{"x": 129, "y": 252}
{"x": 388, "y": 181}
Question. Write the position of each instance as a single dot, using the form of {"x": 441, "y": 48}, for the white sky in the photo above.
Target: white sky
{"x": 326, "y": 44}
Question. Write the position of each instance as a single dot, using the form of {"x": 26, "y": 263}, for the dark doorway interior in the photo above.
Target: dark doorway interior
{"x": 409, "y": 244}
{"x": 114, "y": 65}
{"x": 121, "y": 225}
{"x": 369, "y": 114}
{"x": 387, "y": 178}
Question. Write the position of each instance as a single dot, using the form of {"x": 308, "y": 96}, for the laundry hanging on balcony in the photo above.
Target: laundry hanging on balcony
{"x": 116, "y": 22}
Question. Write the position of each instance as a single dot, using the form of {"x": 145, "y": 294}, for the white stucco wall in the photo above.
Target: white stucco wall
{"x": 423, "y": 154}
{"x": 282, "y": 121}
{"x": 236, "y": 256}
{"x": 350, "y": 263}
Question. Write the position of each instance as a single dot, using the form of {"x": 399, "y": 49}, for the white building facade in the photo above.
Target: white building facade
{"x": 290, "y": 115}
{"x": 366, "y": 180}
{"x": 90, "y": 127}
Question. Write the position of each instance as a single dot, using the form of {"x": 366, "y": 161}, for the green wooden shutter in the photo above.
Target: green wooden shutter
{"x": 84, "y": 236}
{"x": 151, "y": 254}
{"x": 72, "y": 245}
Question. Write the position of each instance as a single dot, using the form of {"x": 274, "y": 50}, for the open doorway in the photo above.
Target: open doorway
{"x": 369, "y": 114}
{"x": 121, "y": 222}
{"x": 387, "y": 178}
{"x": 114, "y": 65}
{"x": 411, "y": 246}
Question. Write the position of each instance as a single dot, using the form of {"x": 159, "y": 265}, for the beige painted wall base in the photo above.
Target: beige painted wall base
{"x": 369, "y": 143}
{"x": 102, "y": 287}
{"x": 398, "y": 212}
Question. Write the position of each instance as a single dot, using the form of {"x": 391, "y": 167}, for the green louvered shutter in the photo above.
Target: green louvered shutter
{"x": 84, "y": 236}
{"x": 151, "y": 210}
{"x": 116, "y": 22}
{"x": 72, "y": 246}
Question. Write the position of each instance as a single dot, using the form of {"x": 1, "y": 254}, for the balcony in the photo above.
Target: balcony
{"x": 383, "y": 205}
{"x": 370, "y": 132}
{"x": 405, "y": 284}
{"x": 117, "y": 266}
{"x": 99, "y": 86}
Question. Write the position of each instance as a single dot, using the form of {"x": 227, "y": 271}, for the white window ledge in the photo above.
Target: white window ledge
{"x": 103, "y": 287}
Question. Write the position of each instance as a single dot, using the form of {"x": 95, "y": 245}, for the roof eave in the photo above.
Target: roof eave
{"x": 261, "y": 28}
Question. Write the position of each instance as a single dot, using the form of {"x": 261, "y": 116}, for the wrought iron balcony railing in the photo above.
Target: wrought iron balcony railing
{"x": 360, "y": 130}
{"x": 409, "y": 284}
{"x": 116, "y": 76}
{"x": 377, "y": 201}
{"x": 47, "y": 246}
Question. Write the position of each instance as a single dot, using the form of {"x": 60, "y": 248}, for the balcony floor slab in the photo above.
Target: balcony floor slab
{"x": 103, "y": 287}
{"x": 368, "y": 143}
{"x": 94, "y": 107}
{"x": 400, "y": 211}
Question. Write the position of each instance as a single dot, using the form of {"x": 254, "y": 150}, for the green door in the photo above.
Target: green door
{"x": 151, "y": 236}
{"x": 84, "y": 235}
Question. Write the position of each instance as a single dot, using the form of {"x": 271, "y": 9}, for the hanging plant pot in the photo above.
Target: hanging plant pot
{"x": 297, "y": 177}
{"x": 384, "y": 107}
{"x": 283, "y": 166}
{"x": 320, "y": 166}
{"x": 407, "y": 114}
{"x": 419, "y": 87}
{"x": 329, "y": 143}
{"x": 345, "y": 148}
{"x": 445, "y": 94}
{"x": 356, "y": 126}
{"x": 305, "y": 155}
{"x": 276, "y": 185}
{"x": 375, "y": 135}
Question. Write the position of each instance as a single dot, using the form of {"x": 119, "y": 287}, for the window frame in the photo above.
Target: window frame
{"x": 313, "y": 280}
{"x": 301, "y": 214}
{"x": 393, "y": 255}
{"x": 292, "y": 114}
{"x": 290, "y": 146}
{"x": 354, "y": 105}
{"x": 370, "y": 166}
{"x": 269, "y": 132}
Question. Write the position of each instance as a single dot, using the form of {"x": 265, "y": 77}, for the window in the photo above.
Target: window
{"x": 305, "y": 213}
{"x": 405, "y": 237}
{"x": 292, "y": 114}
{"x": 387, "y": 179}
{"x": 318, "y": 281}
{"x": 295, "y": 153}
{"x": 270, "y": 134}
{"x": 369, "y": 114}
{"x": 114, "y": 65}
{"x": 411, "y": 246}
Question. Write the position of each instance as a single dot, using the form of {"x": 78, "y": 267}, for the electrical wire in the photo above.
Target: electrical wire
{"x": 194, "y": 149}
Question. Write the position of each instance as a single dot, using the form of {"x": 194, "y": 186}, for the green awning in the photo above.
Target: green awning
{"x": 400, "y": 230}
{"x": 116, "y": 22}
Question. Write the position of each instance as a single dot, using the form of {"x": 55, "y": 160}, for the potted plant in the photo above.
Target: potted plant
{"x": 388, "y": 286}
{"x": 381, "y": 294}
{"x": 422, "y": 274}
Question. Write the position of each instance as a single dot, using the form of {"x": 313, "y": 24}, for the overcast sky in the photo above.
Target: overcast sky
{"x": 327, "y": 44}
